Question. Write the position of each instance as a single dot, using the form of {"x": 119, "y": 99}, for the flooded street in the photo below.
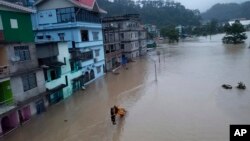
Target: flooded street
{"x": 187, "y": 102}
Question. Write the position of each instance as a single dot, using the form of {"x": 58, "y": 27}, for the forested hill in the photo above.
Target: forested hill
{"x": 225, "y": 12}
{"x": 158, "y": 12}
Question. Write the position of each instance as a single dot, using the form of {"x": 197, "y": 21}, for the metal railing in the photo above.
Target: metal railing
{"x": 4, "y": 71}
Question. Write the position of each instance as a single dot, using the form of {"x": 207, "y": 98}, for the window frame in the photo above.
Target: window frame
{"x": 82, "y": 32}
{"x": 95, "y": 35}
{"x": 29, "y": 81}
{"x": 22, "y": 52}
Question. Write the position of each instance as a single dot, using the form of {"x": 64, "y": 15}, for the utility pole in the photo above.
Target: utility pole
{"x": 154, "y": 66}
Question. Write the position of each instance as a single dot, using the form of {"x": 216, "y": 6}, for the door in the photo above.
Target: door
{"x": 40, "y": 107}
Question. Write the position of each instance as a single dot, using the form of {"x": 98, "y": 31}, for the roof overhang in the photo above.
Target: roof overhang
{"x": 17, "y": 7}
{"x": 91, "y": 6}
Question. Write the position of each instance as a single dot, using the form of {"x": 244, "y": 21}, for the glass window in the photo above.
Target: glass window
{"x": 22, "y": 52}
{"x": 122, "y": 35}
{"x": 13, "y": 23}
{"x": 97, "y": 52}
{"x": 99, "y": 69}
{"x": 29, "y": 81}
{"x": 84, "y": 35}
{"x": 65, "y": 15}
{"x": 95, "y": 36}
{"x": 122, "y": 46}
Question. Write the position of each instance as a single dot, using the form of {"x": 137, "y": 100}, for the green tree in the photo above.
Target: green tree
{"x": 171, "y": 33}
{"x": 234, "y": 33}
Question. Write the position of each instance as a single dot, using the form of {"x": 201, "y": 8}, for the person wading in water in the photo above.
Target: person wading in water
{"x": 112, "y": 112}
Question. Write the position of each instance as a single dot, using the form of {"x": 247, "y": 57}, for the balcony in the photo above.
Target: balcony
{"x": 50, "y": 62}
{"x": 89, "y": 44}
{"x": 76, "y": 55}
{"x": 55, "y": 83}
{"x": 6, "y": 106}
{"x": 113, "y": 54}
{"x": 4, "y": 71}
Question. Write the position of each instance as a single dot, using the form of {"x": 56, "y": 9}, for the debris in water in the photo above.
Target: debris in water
{"x": 241, "y": 85}
{"x": 227, "y": 86}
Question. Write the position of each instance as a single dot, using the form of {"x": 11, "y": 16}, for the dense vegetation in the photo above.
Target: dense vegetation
{"x": 225, "y": 12}
{"x": 158, "y": 12}
{"x": 234, "y": 33}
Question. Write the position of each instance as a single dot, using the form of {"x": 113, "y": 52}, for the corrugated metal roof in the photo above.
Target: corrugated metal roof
{"x": 86, "y": 4}
{"x": 17, "y": 7}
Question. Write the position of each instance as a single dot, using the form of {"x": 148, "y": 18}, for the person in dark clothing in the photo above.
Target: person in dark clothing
{"x": 112, "y": 112}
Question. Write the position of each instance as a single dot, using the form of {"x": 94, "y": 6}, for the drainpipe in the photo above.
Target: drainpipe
{"x": 66, "y": 80}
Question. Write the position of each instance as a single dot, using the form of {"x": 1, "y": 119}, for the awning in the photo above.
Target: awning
{"x": 78, "y": 78}
{"x": 55, "y": 64}
{"x": 56, "y": 89}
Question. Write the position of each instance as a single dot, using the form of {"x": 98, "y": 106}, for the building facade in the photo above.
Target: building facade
{"x": 112, "y": 45}
{"x": 124, "y": 36}
{"x": 22, "y": 85}
{"x": 79, "y": 24}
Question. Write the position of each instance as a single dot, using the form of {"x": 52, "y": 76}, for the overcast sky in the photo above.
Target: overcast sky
{"x": 204, "y": 5}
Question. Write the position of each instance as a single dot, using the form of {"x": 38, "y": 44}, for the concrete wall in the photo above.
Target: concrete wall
{"x": 17, "y": 87}
{"x": 46, "y": 17}
{"x": 131, "y": 46}
{"x": 132, "y": 55}
{"x": 73, "y": 34}
{"x": 130, "y": 35}
{"x": 3, "y": 56}
{"x": 18, "y": 66}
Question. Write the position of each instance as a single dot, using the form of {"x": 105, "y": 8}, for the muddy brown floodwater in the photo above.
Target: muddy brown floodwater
{"x": 186, "y": 104}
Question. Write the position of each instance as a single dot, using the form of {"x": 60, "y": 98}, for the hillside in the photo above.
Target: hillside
{"x": 158, "y": 12}
{"x": 225, "y": 12}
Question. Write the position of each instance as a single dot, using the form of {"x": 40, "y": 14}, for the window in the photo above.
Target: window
{"x": 13, "y": 23}
{"x": 112, "y": 47}
{"x": 65, "y": 15}
{"x": 122, "y": 46}
{"x": 84, "y": 35}
{"x": 61, "y": 36}
{"x": 22, "y": 52}
{"x": 29, "y": 81}
{"x": 122, "y": 35}
{"x": 85, "y": 56}
{"x": 99, "y": 69}
{"x": 87, "y": 16}
{"x": 95, "y": 36}
{"x": 97, "y": 53}
{"x": 39, "y": 37}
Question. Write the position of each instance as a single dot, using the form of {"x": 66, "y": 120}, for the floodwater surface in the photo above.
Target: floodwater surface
{"x": 187, "y": 103}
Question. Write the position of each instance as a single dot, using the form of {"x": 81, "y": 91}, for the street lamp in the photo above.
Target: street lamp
{"x": 154, "y": 66}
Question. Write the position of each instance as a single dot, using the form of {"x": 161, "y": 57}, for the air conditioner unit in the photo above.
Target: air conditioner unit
{"x": 95, "y": 60}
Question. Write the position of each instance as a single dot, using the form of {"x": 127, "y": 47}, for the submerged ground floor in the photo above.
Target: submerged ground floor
{"x": 186, "y": 103}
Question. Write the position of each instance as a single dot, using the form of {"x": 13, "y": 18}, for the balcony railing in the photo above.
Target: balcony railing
{"x": 55, "y": 83}
{"x": 4, "y": 71}
{"x": 112, "y": 54}
{"x": 6, "y": 105}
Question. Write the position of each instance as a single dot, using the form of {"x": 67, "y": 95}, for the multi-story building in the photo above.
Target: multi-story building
{"x": 22, "y": 85}
{"x": 142, "y": 40}
{"x": 131, "y": 36}
{"x": 152, "y": 30}
{"x": 112, "y": 45}
{"x": 78, "y": 23}
{"x": 54, "y": 58}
